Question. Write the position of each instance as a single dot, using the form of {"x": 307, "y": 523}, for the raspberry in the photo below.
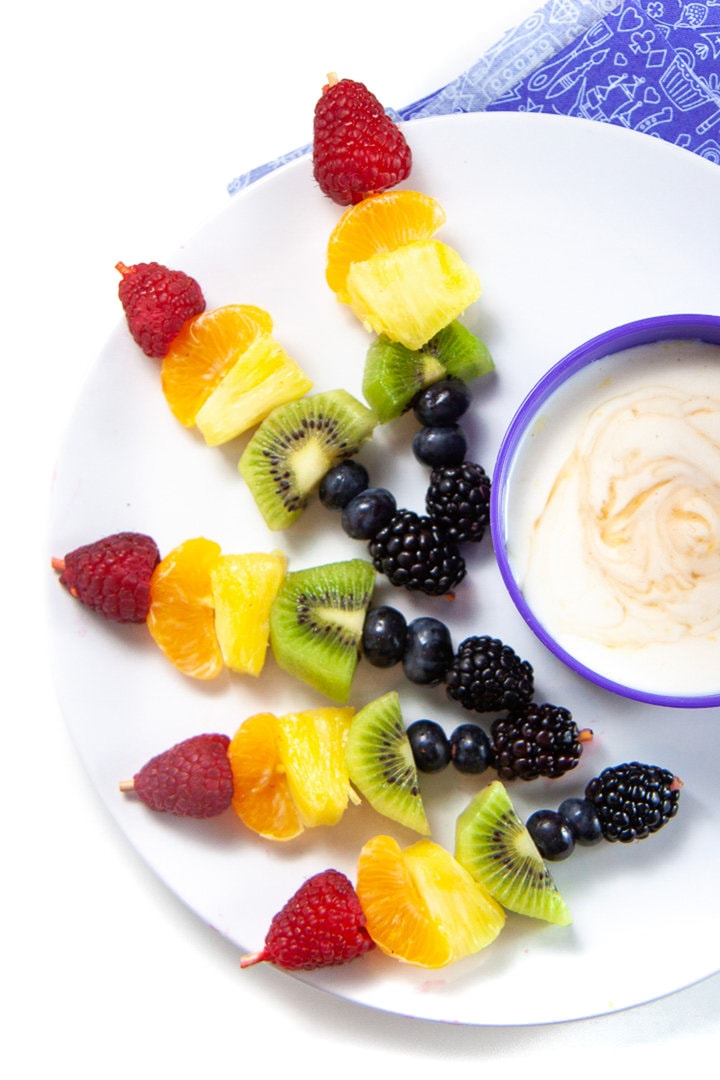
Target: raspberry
{"x": 488, "y": 676}
{"x": 157, "y": 304}
{"x": 458, "y": 499}
{"x": 322, "y": 925}
{"x": 192, "y": 779}
{"x": 112, "y": 575}
{"x": 412, "y": 553}
{"x": 537, "y": 740}
{"x": 358, "y": 150}
{"x": 633, "y": 800}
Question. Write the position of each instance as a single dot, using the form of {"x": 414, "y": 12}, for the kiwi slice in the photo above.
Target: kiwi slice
{"x": 380, "y": 763}
{"x": 495, "y": 847}
{"x": 316, "y": 623}
{"x": 296, "y": 445}
{"x": 394, "y": 374}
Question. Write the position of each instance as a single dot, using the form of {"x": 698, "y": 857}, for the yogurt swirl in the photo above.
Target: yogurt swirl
{"x": 640, "y": 497}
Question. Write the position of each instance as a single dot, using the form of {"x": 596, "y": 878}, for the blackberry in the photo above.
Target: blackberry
{"x": 488, "y": 676}
{"x": 412, "y": 553}
{"x": 633, "y": 800}
{"x": 537, "y": 740}
{"x": 458, "y": 499}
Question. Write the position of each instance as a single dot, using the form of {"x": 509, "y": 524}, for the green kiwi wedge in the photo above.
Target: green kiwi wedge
{"x": 495, "y": 847}
{"x": 380, "y": 763}
{"x": 394, "y": 374}
{"x": 316, "y": 623}
{"x": 295, "y": 446}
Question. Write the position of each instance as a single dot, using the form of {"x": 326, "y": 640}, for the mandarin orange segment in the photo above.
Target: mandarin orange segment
{"x": 261, "y": 793}
{"x": 421, "y": 906}
{"x": 181, "y": 618}
{"x": 380, "y": 223}
{"x": 204, "y": 351}
{"x": 398, "y": 919}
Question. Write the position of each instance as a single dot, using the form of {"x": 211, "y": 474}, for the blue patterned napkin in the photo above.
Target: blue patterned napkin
{"x": 649, "y": 65}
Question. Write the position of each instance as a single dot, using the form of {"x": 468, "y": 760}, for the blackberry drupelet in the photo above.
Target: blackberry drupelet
{"x": 633, "y": 800}
{"x": 488, "y": 676}
{"x": 537, "y": 740}
{"x": 413, "y": 554}
{"x": 458, "y": 499}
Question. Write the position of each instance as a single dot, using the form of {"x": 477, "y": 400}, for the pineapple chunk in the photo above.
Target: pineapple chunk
{"x": 412, "y": 292}
{"x": 263, "y": 377}
{"x": 312, "y": 749}
{"x": 244, "y": 587}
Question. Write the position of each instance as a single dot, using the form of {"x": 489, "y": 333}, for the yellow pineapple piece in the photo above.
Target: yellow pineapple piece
{"x": 421, "y": 905}
{"x": 263, "y": 377}
{"x": 312, "y": 749}
{"x": 410, "y": 293}
{"x": 243, "y": 588}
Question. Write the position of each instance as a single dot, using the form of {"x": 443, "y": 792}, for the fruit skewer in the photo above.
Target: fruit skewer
{"x": 207, "y": 610}
{"x": 422, "y": 905}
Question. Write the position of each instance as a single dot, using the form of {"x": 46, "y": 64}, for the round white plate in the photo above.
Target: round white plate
{"x": 573, "y": 227}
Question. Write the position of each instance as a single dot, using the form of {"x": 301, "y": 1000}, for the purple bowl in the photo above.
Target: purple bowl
{"x": 702, "y": 328}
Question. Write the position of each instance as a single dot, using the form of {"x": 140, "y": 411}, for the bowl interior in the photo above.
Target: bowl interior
{"x": 541, "y": 410}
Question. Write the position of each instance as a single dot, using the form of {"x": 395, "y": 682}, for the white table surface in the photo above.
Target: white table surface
{"x": 122, "y": 127}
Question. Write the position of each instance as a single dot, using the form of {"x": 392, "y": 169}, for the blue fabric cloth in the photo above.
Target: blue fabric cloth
{"x": 649, "y": 65}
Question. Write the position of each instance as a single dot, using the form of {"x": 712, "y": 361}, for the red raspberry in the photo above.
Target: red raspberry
{"x": 320, "y": 926}
{"x": 357, "y": 149}
{"x": 157, "y": 304}
{"x": 192, "y": 779}
{"x": 112, "y": 575}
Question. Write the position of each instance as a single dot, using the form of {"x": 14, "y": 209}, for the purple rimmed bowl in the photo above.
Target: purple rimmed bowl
{"x": 563, "y": 489}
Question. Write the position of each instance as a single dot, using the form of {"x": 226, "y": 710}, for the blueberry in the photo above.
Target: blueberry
{"x": 429, "y": 745}
{"x": 581, "y": 816}
{"x": 439, "y": 447}
{"x": 470, "y": 749}
{"x": 428, "y": 651}
{"x": 342, "y": 483}
{"x": 367, "y": 513}
{"x": 442, "y": 403}
{"x": 552, "y": 835}
{"x": 383, "y": 637}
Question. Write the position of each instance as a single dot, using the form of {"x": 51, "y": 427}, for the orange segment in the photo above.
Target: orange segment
{"x": 397, "y": 917}
{"x": 421, "y": 906}
{"x": 261, "y": 794}
{"x": 379, "y": 223}
{"x": 204, "y": 351}
{"x": 181, "y": 618}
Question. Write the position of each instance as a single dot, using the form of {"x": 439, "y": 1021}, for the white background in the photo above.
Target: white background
{"x": 122, "y": 128}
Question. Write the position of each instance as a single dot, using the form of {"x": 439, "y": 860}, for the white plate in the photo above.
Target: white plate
{"x": 573, "y": 227}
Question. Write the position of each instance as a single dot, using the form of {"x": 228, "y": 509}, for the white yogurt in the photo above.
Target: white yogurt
{"x": 613, "y": 517}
